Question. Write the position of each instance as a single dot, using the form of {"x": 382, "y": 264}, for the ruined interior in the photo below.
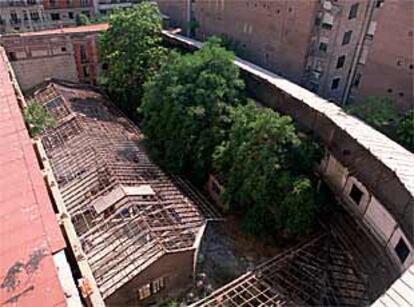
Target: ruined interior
{"x": 126, "y": 211}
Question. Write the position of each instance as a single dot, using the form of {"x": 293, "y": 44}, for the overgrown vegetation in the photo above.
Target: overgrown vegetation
{"x": 38, "y": 118}
{"x": 197, "y": 120}
{"x": 186, "y": 108}
{"x": 132, "y": 49}
{"x": 380, "y": 113}
{"x": 263, "y": 176}
{"x": 82, "y": 19}
{"x": 405, "y": 131}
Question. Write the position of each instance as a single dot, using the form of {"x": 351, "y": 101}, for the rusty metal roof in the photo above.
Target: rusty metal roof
{"x": 28, "y": 227}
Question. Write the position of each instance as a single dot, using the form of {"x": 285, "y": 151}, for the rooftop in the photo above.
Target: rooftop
{"x": 65, "y": 30}
{"x": 28, "y": 226}
{"x": 126, "y": 211}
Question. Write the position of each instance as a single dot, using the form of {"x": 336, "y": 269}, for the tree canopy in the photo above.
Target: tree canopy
{"x": 257, "y": 162}
{"x": 379, "y": 112}
{"x": 38, "y": 118}
{"x": 405, "y": 131}
{"x": 186, "y": 107}
{"x": 132, "y": 49}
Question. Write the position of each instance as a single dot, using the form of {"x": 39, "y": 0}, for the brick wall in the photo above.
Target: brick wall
{"x": 177, "y": 267}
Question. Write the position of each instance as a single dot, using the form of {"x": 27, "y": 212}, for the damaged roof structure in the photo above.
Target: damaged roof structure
{"x": 33, "y": 264}
{"x": 129, "y": 215}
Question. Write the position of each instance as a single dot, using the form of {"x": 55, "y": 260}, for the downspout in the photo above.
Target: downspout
{"x": 368, "y": 17}
{"x": 188, "y": 26}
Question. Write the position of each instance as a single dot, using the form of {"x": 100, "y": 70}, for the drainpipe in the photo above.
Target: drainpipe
{"x": 188, "y": 29}
{"x": 368, "y": 17}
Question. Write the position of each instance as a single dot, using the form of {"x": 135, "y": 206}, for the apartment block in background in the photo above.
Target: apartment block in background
{"x": 340, "y": 49}
{"x": 104, "y": 7}
{"x": 22, "y": 15}
{"x": 63, "y": 13}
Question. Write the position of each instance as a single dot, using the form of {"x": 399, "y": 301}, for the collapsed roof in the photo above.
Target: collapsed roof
{"x": 126, "y": 211}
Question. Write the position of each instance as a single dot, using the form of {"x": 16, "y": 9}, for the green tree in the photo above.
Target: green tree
{"x": 260, "y": 177}
{"x": 405, "y": 131}
{"x": 379, "y": 112}
{"x": 186, "y": 106}
{"x": 81, "y": 20}
{"x": 38, "y": 118}
{"x": 132, "y": 49}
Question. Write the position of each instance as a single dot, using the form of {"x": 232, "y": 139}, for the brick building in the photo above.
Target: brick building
{"x": 35, "y": 15}
{"x": 19, "y": 15}
{"x": 68, "y": 53}
{"x": 339, "y": 49}
{"x": 63, "y": 13}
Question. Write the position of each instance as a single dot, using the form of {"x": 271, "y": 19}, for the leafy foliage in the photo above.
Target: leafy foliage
{"x": 186, "y": 108}
{"x": 378, "y": 112}
{"x": 81, "y": 19}
{"x": 258, "y": 163}
{"x": 38, "y": 118}
{"x": 405, "y": 130}
{"x": 132, "y": 49}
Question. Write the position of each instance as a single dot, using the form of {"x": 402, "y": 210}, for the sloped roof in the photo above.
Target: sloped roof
{"x": 106, "y": 179}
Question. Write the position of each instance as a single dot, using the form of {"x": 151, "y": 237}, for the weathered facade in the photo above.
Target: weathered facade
{"x": 340, "y": 49}
{"x": 69, "y": 54}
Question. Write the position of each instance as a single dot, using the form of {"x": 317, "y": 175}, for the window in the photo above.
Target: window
{"x": 340, "y": 62}
{"x": 144, "y": 292}
{"x": 356, "y": 194}
{"x": 158, "y": 285}
{"x": 63, "y": 49}
{"x": 34, "y": 16}
{"x": 323, "y": 47}
{"x": 152, "y": 288}
{"x": 85, "y": 71}
{"x": 402, "y": 250}
{"x": 71, "y": 15}
{"x": 83, "y": 56}
{"x": 31, "y": 1}
{"x": 353, "y": 11}
{"x": 55, "y": 16}
{"x": 335, "y": 83}
{"x": 379, "y": 3}
{"x": 347, "y": 38}
{"x": 84, "y": 3}
{"x": 12, "y": 56}
{"x": 52, "y": 3}
{"x": 327, "y": 21}
{"x": 216, "y": 189}
{"x": 371, "y": 29}
{"x": 105, "y": 66}
{"x": 357, "y": 80}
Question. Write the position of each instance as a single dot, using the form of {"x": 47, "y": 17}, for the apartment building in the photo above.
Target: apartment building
{"x": 22, "y": 15}
{"x": 35, "y": 15}
{"x": 63, "y": 13}
{"x": 340, "y": 49}
{"x": 104, "y": 7}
